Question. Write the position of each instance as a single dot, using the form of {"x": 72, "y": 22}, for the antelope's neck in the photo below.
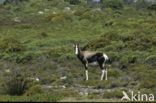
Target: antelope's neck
{"x": 80, "y": 54}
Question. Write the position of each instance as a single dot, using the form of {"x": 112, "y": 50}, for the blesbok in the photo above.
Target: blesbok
{"x": 92, "y": 58}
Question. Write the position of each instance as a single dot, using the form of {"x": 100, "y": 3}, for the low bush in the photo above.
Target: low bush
{"x": 114, "y": 73}
{"x": 115, "y": 4}
{"x": 43, "y": 35}
{"x": 73, "y": 2}
{"x": 151, "y": 60}
{"x": 152, "y": 6}
{"x": 57, "y": 18}
{"x": 147, "y": 83}
{"x": 37, "y": 89}
{"x": 87, "y": 15}
{"x": 15, "y": 84}
{"x": 24, "y": 26}
{"x": 111, "y": 35}
{"x": 102, "y": 85}
{"x": 113, "y": 56}
{"x": 94, "y": 96}
{"x": 142, "y": 4}
{"x": 44, "y": 97}
{"x": 11, "y": 44}
{"x": 98, "y": 43}
{"x": 68, "y": 93}
{"x": 113, "y": 94}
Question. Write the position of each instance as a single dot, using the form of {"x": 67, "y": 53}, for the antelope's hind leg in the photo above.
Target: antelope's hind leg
{"x": 86, "y": 68}
{"x": 106, "y": 74}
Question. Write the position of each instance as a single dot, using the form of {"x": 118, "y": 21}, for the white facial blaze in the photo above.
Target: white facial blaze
{"x": 76, "y": 50}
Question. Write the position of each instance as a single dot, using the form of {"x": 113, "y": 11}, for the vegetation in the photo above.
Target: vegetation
{"x": 36, "y": 41}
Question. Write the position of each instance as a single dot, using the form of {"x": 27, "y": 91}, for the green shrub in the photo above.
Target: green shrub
{"x": 24, "y": 58}
{"x": 115, "y": 4}
{"x": 113, "y": 94}
{"x": 44, "y": 97}
{"x": 102, "y": 85}
{"x": 37, "y": 89}
{"x": 87, "y": 15}
{"x": 48, "y": 17}
{"x": 111, "y": 35}
{"x": 110, "y": 48}
{"x": 114, "y": 73}
{"x": 115, "y": 84}
{"x": 113, "y": 56}
{"x": 24, "y": 26}
{"x": 152, "y": 6}
{"x": 43, "y": 34}
{"x": 141, "y": 4}
{"x": 109, "y": 23}
{"x": 68, "y": 93}
{"x": 16, "y": 2}
{"x": 11, "y": 44}
{"x": 73, "y": 2}
{"x": 147, "y": 84}
{"x": 15, "y": 84}
{"x": 80, "y": 12}
{"x": 53, "y": 52}
{"x": 151, "y": 59}
{"x": 60, "y": 17}
{"x": 128, "y": 59}
{"x": 94, "y": 96}
{"x": 127, "y": 37}
{"x": 98, "y": 43}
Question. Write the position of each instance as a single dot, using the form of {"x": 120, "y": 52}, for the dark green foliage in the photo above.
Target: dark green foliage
{"x": 57, "y": 18}
{"x": 15, "y": 84}
{"x": 37, "y": 89}
{"x": 73, "y": 2}
{"x": 151, "y": 59}
{"x": 142, "y": 4}
{"x": 16, "y": 2}
{"x": 80, "y": 12}
{"x": 68, "y": 93}
{"x": 113, "y": 56}
{"x": 152, "y": 6}
{"x": 10, "y": 45}
{"x": 98, "y": 43}
{"x": 115, "y": 4}
{"x": 24, "y": 26}
{"x": 113, "y": 94}
{"x": 53, "y": 97}
{"x": 94, "y": 96}
{"x": 44, "y": 97}
{"x": 147, "y": 83}
{"x": 111, "y": 35}
{"x": 41, "y": 44}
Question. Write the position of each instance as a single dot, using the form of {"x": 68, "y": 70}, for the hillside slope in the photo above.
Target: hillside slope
{"x": 36, "y": 40}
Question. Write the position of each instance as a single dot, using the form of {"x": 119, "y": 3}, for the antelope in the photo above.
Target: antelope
{"x": 92, "y": 58}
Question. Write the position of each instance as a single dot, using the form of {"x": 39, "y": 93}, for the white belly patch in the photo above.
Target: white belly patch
{"x": 93, "y": 63}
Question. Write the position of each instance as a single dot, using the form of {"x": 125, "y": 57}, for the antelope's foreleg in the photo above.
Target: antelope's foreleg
{"x": 106, "y": 74}
{"x": 86, "y": 67}
{"x": 103, "y": 71}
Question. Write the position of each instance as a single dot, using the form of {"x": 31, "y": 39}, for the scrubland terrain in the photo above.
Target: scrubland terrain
{"x": 36, "y": 41}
